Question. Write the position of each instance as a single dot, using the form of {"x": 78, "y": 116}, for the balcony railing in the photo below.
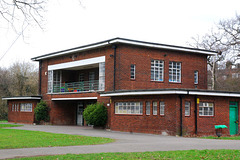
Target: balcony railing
{"x": 76, "y": 86}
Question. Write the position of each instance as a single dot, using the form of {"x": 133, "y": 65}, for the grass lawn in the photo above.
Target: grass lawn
{"x": 14, "y": 138}
{"x": 169, "y": 155}
{"x": 224, "y": 138}
{"x": 9, "y": 125}
{"x": 3, "y": 121}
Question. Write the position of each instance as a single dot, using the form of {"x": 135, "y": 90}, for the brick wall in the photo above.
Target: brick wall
{"x": 141, "y": 57}
{"x": 157, "y": 124}
{"x": 20, "y": 116}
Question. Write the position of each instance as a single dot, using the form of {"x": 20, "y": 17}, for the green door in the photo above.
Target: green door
{"x": 233, "y": 118}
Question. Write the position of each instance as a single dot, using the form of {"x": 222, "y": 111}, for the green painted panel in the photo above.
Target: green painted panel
{"x": 233, "y": 118}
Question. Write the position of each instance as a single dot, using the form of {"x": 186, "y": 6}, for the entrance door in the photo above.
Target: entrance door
{"x": 80, "y": 121}
{"x": 233, "y": 118}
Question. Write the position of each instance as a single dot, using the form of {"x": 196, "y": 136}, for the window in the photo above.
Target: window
{"x": 102, "y": 76}
{"x": 187, "y": 108}
{"x": 54, "y": 81}
{"x": 154, "y": 108}
{"x": 81, "y": 77}
{"x": 206, "y": 109}
{"x": 26, "y": 107}
{"x": 147, "y": 108}
{"x": 128, "y": 108}
{"x": 157, "y": 69}
{"x": 13, "y": 107}
{"x": 132, "y": 71}
{"x": 175, "y": 72}
{"x": 195, "y": 77}
{"x": 162, "y": 108}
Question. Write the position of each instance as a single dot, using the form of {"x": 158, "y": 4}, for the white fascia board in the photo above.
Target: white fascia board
{"x": 142, "y": 93}
{"x": 70, "y": 99}
{"x": 71, "y": 51}
{"x": 162, "y": 46}
{"x": 77, "y": 63}
{"x": 22, "y": 98}
{"x": 214, "y": 94}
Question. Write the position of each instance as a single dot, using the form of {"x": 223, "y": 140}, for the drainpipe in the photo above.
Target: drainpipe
{"x": 114, "y": 64}
{"x": 181, "y": 121}
{"x": 195, "y": 112}
{"x": 40, "y": 78}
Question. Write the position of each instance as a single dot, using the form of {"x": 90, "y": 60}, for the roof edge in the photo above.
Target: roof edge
{"x": 125, "y": 41}
{"x": 23, "y": 98}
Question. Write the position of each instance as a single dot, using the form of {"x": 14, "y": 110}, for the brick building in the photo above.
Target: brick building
{"x": 147, "y": 87}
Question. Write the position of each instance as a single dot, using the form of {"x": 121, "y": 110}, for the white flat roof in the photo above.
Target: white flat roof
{"x": 172, "y": 91}
{"x": 125, "y": 41}
{"x": 21, "y": 98}
{"x": 70, "y": 99}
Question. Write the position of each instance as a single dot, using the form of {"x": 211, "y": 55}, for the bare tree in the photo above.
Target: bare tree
{"x": 225, "y": 39}
{"x": 22, "y": 12}
{"x": 24, "y": 79}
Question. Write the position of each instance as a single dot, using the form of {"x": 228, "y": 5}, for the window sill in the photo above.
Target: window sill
{"x": 157, "y": 81}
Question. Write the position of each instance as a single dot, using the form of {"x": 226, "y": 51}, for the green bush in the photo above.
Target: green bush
{"x": 96, "y": 114}
{"x": 41, "y": 112}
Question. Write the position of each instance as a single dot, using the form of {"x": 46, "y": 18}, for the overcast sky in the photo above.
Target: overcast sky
{"x": 69, "y": 24}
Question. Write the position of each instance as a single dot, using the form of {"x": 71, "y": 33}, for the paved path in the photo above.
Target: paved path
{"x": 125, "y": 142}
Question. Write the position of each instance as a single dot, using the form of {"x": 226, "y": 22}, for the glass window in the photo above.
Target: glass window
{"x": 187, "y": 108}
{"x": 128, "y": 108}
{"x": 102, "y": 76}
{"x": 26, "y": 107}
{"x": 206, "y": 109}
{"x": 157, "y": 70}
{"x": 154, "y": 108}
{"x": 162, "y": 108}
{"x": 132, "y": 71}
{"x": 147, "y": 108}
{"x": 175, "y": 72}
{"x": 195, "y": 77}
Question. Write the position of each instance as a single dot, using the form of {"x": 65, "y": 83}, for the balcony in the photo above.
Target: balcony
{"x": 76, "y": 87}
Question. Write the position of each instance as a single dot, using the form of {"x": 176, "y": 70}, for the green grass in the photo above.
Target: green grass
{"x": 13, "y": 138}
{"x": 166, "y": 155}
{"x": 223, "y": 138}
{"x": 9, "y": 125}
{"x": 3, "y": 121}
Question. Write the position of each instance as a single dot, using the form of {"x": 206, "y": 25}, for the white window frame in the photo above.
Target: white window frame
{"x": 26, "y": 107}
{"x": 206, "y": 109}
{"x": 157, "y": 70}
{"x": 148, "y": 108}
{"x": 187, "y": 108}
{"x": 175, "y": 72}
{"x": 155, "y": 106}
{"x": 135, "y": 108}
{"x": 162, "y": 108}
{"x": 132, "y": 71}
{"x": 196, "y": 77}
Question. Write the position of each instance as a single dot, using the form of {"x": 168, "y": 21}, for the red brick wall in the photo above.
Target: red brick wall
{"x": 141, "y": 57}
{"x": 146, "y": 123}
{"x": 19, "y": 116}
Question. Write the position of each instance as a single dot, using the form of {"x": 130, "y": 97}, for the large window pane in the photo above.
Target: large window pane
{"x": 157, "y": 70}
{"x": 128, "y": 108}
{"x": 175, "y": 72}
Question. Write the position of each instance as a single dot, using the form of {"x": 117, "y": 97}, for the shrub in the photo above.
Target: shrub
{"x": 41, "y": 112}
{"x": 96, "y": 114}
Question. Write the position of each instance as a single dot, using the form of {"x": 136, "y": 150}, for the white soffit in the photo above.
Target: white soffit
{"x": 214, "y": 94}
{"x": 79, "y": 63}
{"x": 142, "y": 93}
{"x": 70, "y": 99}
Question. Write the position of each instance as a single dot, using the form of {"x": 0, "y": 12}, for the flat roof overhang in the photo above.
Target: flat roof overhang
{"x": 23, "y": 98}
{"x": 124, "y": 41}
{"x": 74, "y": 99}
{"x": 172, "y": 91}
